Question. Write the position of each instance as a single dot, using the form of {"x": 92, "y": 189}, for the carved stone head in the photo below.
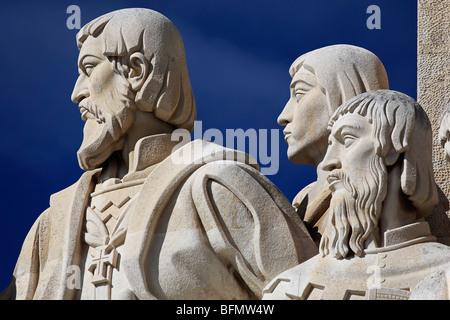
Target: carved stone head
{"x": 131, "y": 61}
{"x": 322, "y": 80}
{"x": 379, "y": 148}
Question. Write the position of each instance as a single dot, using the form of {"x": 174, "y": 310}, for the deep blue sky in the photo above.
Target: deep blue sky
{"x": 238, "y": 55}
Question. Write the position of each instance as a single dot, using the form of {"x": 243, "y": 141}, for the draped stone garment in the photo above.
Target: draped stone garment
{"x": 208, "y": 228}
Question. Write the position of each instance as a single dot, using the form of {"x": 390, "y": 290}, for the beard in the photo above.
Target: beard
{"x": 354, "y": 210}
{"x": 108, "y": 118}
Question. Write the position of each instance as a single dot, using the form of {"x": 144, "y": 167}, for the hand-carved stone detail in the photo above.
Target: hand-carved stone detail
{"x": 321, "y": 81}
{"x": 136, "y": 224}
{"x": 376, "y": 244}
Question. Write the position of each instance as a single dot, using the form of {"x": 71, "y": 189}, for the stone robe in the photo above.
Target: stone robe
{"x": 411, "y": 265}
{"x": 203, "y": 228}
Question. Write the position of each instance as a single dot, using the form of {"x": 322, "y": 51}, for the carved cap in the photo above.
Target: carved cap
{"x": 343, "y": 71}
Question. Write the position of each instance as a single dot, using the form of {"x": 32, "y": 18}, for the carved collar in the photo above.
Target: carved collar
{"x": 148, "y": 152}
{"x": 404, "y": 236}
{"x": 151, "y": 150}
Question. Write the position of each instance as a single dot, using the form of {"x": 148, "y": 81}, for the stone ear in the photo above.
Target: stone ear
{"x": 139, "y": 69}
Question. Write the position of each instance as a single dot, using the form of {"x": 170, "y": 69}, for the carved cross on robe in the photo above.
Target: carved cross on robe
{"x": 101, "y": 267}
{"x": 105, "y": 257}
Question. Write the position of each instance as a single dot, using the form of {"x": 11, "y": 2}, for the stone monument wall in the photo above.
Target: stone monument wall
{"x": 433, "y": 93}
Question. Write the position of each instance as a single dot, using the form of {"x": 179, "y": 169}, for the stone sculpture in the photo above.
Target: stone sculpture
{"x": 444, "y": 131}
{"x": 433, "y": 72}
{"x": 140, "y": 223}
{"x": 322, "y": 80}
{"x": 376, "y": 244}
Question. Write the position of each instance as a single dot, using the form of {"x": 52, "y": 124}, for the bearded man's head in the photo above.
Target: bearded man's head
{"x": 370, "y": 134}
{"x": 130, "y": 59}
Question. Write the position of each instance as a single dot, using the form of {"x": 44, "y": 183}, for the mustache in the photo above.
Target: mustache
{"x": 340, "y": 175}
{"x": 90, "y": 110}
{"x": 334, "y": 175}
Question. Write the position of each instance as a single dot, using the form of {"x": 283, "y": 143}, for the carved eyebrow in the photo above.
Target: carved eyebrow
{"x": 294, "y": 83}
{"x": 349, "y": 125}
{"x": 80, "y": 62}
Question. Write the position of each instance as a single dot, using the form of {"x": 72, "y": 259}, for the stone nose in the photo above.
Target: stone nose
{"x": 80, "y": 91}
{"x": 285, "y": 116}
{"x": 331, "y": 160}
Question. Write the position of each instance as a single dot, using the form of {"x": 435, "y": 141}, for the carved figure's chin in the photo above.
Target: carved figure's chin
{"x": 299, "y": 154}
{"x": 307, "y": 150}
{"x": 98, "y": 144}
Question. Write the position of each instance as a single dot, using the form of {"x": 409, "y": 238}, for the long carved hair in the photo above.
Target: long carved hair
{"x": 167, "y": 90}
{"x": 400, "y": 124}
